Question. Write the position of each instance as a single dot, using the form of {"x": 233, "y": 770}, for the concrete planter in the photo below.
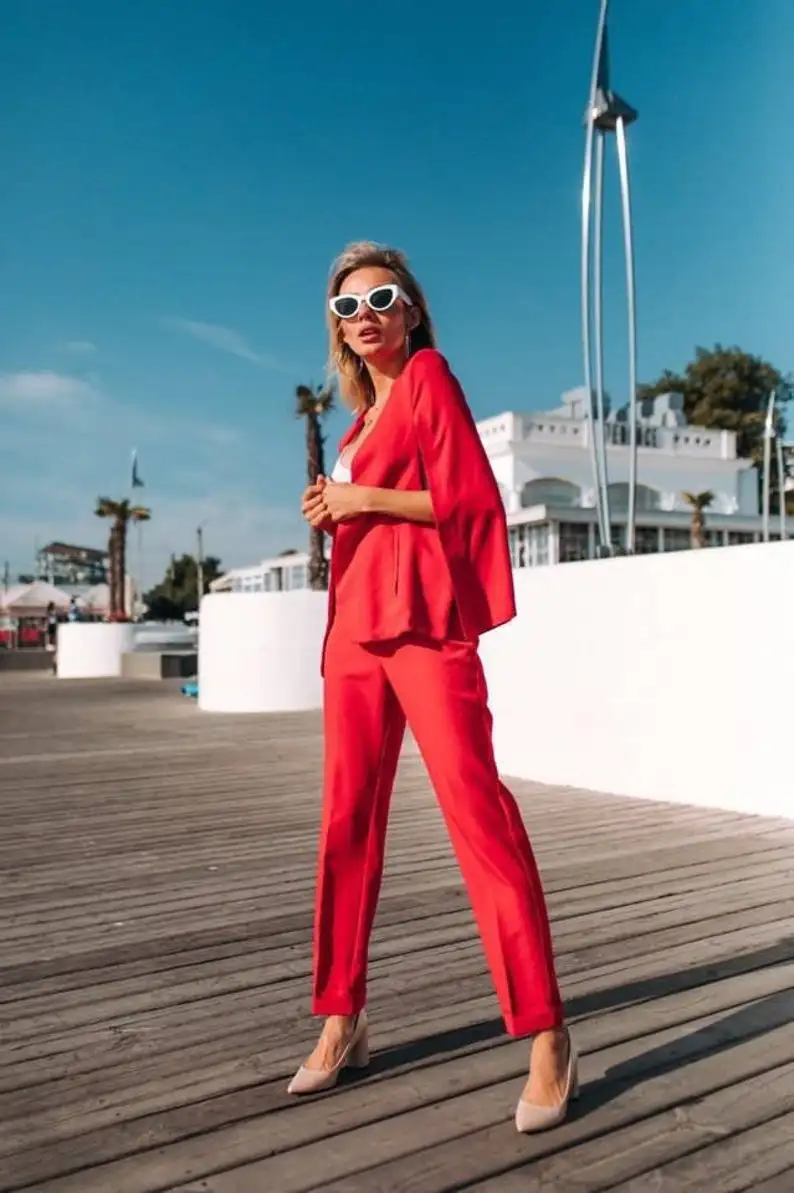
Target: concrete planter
{"x": 92, "y": 650}
{"x": 260, "y": 651}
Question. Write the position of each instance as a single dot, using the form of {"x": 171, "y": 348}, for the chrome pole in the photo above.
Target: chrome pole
{"x": 781, "y": 481}
{"x": 587, "y": 191}
{"x": 598, "y": 332}
{"x": 625, "y": 194}
{"x": 586, "y": 348}
{"x": 768, "y": 433}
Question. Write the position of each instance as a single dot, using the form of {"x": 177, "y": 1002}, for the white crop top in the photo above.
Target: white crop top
{"x": 341, "y": 472}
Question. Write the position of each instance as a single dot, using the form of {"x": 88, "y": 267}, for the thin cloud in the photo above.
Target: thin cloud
{"x": 225, "y": 339}
{"x": 81, "y": 438}
{"x": 81, "y": 347}
{"x": 44, "y": 388}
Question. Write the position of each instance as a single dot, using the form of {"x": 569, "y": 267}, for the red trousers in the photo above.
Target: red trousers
{"x": 440, "y": 689}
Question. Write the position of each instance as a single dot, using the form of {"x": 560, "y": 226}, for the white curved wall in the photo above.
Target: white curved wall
{"x": 663, "y": 677}
{"x": 92, "y": 650}
{"x": 260, "y": 651}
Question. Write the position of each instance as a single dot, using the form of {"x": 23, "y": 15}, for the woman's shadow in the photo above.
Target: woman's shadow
{"x": 746, "y": 1022}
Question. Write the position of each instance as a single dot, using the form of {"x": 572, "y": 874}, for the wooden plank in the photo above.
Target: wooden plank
{"x": 719, "y": 1155}
{"x": 26, "y": 1016}
{"x": 732, "y": 1165}
{"x": 420, "y": 1152}
{"x": 399, "y": 1086}
{"x": 155, "y": 930}
{"x": 782, "y": 1183}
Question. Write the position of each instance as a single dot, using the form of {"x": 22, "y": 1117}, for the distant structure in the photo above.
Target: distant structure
{"x": 279, "y": 573}
{"x": 542, "y": 464}
{"x": 72, "y": 567}
{"x": 606, "y": 113}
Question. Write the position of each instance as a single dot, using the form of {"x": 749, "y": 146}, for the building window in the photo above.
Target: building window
{"x": 529, "y": 545}
{"x": 550, "y": 490}
{"x": 647, "y": 498}
{"x": 513, "y": 540}
{"x": 677, "y": 540}
{"x": 735, "y": 537}
{"x": 646, "y": 540}
{"x": 296, "y": 577}
{"x": 539, "y": 545}
{"x": 574, "y": 542}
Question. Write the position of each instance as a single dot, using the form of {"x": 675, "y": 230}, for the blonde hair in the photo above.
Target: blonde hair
{"x": 354, "y": 381}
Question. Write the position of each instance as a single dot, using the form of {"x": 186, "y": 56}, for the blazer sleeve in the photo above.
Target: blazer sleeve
{"x": 467, "y": 504}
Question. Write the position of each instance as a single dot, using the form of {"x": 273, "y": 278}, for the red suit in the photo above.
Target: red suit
{"x": 407, "y": 605}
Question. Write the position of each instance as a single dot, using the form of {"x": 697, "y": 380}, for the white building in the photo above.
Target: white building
{"x": 279, "y": 573}
{"x": 542, "y": 463}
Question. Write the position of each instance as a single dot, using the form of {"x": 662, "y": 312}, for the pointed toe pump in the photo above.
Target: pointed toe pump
{"x": 355, "y": 1056}
{"x": 531, "y": 1118}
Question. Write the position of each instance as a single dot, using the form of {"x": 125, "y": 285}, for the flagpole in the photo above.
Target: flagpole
{"x": 136, "y": 482}
{"x": 134, "y": 585}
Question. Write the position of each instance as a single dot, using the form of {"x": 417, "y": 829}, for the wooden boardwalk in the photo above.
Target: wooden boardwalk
{"x": 155, "y": 907}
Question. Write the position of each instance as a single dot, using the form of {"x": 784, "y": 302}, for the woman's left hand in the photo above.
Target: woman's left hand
{"x": 342, "y": 501}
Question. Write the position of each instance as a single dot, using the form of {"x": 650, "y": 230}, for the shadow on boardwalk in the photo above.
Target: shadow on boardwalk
{"x": 755, "y": 1019}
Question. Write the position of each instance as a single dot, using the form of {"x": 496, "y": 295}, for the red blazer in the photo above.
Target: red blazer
{"x": 390, "y": 577}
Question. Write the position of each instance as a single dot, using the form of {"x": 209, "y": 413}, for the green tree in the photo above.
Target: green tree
{"x": 177, "y": 592}
{"x": 729, "y": 389}
{"x": 699, "y": 502}
{"x": 121, "y": 513}
{"x": 313, "y": 405}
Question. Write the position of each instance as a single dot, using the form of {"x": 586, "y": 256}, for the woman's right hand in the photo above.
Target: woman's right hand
{"x": 312, "y": 505}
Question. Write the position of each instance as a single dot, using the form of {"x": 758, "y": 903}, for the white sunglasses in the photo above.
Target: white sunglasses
{"x": 379, "y": 298}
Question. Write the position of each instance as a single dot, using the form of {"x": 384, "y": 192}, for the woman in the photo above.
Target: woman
{"x": 420, "y": 568}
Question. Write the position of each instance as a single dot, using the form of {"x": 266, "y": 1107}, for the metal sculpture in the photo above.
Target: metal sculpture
{"x": 606, "y": 113}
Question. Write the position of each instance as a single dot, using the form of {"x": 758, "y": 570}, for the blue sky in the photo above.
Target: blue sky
{"x": 177, "y": 178}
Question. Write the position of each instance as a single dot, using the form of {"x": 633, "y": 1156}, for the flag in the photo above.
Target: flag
{"x": 137, "y": 483}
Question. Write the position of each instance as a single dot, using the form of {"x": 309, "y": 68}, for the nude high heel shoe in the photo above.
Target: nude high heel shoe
{"x": 355, "y": 1056}
{"x": 531, "y": 1118}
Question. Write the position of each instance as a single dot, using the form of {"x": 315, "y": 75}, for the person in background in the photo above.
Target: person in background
{"x": 52, "y": 625}
{"x": 51, "y": 631}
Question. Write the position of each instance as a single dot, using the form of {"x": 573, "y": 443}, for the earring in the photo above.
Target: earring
{"x": 407, "y": 344}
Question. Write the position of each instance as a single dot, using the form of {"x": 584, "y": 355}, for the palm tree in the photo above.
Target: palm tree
{"x": 122, "y": 513}
{"x": 699, "y": 503}
{"x": 313, "y": 405}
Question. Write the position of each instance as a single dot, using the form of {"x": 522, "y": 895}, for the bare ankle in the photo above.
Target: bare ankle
{"x": 554, "y": 1040}
{"x": 341, "y": 1023}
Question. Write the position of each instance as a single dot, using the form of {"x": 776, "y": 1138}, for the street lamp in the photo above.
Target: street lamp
{"x": 200, "y": 565}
